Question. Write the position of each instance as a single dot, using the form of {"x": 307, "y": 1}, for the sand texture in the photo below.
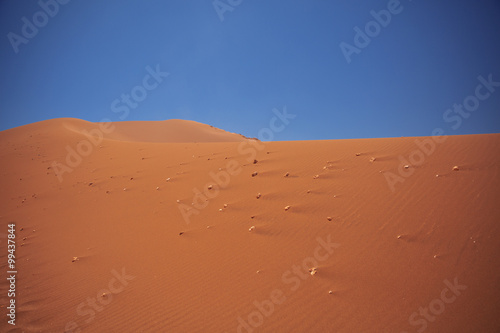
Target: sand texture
{"x": 177, "y": 226}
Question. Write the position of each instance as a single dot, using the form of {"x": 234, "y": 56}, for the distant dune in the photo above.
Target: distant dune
{"x": 177, "y": 226}
{"x": 173, "y": 130}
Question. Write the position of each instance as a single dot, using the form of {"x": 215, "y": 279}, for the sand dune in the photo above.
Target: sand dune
{"x": 176, "y": 226}
{"x": 173, "y": 130}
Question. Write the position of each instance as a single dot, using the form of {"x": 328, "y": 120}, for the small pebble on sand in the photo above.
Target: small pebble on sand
{"x": 252, "y": 228}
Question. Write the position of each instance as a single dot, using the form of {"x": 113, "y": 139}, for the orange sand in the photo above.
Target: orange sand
{"x": 104, "y": 250}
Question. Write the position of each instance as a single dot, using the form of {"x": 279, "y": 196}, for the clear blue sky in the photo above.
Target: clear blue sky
{"x": 265, "y": 54}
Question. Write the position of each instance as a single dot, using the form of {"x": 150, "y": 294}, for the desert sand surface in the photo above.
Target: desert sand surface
{"x": 177, "y": 226}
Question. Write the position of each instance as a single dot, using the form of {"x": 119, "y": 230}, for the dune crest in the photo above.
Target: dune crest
{"x": 167, "y": 131}
{"x": 173, "y": 130}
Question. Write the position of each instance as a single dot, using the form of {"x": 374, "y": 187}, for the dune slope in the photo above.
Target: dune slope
{"x": 212, "y": 232}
